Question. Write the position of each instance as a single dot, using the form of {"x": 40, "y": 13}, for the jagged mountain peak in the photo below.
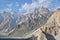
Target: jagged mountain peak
{"x": 29, "y": 22}
{"x": 24, "y": 23}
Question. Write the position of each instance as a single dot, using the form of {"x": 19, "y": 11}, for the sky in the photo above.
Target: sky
{"x": 24, "y": 6}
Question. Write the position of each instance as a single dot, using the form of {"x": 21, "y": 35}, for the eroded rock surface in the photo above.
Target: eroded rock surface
{"x": 35, "y": 26}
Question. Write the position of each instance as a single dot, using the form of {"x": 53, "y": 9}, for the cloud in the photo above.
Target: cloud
{"x": 26, "y": 6}
{"x": 8, "y": 8}
{"x": 40, "y": 1}
{"x": 35, "y": 3}
{"x": 11, "y": 7}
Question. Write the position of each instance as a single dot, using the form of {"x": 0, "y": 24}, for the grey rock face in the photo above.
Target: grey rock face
{"x": 30, "y": 22}
{"x": 25, "y": 23}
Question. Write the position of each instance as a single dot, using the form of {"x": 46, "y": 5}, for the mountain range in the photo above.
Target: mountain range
{"x": 41, "y": 23}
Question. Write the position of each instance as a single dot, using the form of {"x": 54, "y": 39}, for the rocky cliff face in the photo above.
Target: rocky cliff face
{"x": 40, "y": 24}
{"x": 52, "y": 26}
{"x": 7, "y": 22}
{"x": 50, "y": 30}
{"x": 24, "y": 23}
{"x": 31, "y": 21}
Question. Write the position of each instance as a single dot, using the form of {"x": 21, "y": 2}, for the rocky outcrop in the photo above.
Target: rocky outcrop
{"x": 53, "y": 24}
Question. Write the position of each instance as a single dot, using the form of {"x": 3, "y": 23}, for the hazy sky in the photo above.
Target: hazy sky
{"x": 23, "y": 6}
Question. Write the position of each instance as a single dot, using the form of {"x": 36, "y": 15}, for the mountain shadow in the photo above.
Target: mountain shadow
{"x": 48, "y": 36}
